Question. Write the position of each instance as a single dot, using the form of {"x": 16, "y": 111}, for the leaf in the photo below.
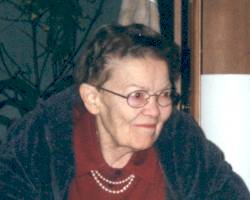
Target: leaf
{"x": 33, "y": 16}
{"x": 5, "y": 121}
{"x": 29, "y": 94}
{"x": 63, "y": 20}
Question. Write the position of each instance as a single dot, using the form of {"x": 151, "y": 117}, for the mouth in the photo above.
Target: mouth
{"x": 148, "y": 126}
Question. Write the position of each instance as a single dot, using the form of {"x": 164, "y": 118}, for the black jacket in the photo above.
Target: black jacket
{"x": 37, "y": 161}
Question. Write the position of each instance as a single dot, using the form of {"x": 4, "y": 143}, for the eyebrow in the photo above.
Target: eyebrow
{"x": 168, "y": 86}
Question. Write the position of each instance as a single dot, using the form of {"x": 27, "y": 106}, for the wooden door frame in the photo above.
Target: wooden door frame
{"x": 196, "y": 57}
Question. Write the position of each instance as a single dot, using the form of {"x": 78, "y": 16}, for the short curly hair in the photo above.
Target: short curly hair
{"x": 117, "y": 41}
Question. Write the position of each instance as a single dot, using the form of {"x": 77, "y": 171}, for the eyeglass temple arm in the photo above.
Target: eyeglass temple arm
{"x": 113, "y": 92}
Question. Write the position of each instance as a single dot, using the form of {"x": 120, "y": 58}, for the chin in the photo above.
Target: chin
{"x": 143, "y": 145}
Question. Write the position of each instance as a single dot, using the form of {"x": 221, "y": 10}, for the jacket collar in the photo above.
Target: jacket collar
{"x": 59, "y": 136}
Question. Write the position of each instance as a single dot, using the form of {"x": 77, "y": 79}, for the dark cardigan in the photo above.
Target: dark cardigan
{"x": 37, "y": 161}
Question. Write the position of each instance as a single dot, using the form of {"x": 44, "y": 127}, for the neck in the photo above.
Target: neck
{"x": 116, "y": 156}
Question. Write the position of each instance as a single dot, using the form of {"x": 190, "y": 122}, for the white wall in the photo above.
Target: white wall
{"x": 225, "y": 118}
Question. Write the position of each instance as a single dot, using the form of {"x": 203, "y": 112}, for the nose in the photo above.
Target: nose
{"x": 152, "y": 107}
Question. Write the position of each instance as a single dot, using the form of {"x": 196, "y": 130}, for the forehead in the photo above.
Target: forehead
{"x": 145, "y": 72}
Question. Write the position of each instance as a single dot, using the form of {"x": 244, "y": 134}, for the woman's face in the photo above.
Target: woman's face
{"x": 120, "y": 125}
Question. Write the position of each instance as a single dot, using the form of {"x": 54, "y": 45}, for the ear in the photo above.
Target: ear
{"x": 90, "y": 97}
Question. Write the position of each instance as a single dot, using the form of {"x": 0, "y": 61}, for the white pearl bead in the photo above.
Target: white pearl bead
{"x": 97, "y": 177}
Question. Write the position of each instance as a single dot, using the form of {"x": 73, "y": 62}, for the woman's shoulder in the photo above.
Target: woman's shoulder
{"x": 61, "y": 101}
{"x": 42, "y": 135}
{"x": 182, "y": 124}
{"x": 53, "y": 111}
{"x": 191, "y": 161}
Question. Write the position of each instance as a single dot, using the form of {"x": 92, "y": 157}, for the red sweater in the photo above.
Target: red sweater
{"x": 148, "y": 182}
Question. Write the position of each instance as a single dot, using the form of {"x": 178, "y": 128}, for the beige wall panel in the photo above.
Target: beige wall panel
{"x": 177, "y": 22}
{"x": 226, "y": 36}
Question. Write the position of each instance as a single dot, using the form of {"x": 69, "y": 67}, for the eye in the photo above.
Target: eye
{"x": 138, "y": 95}
{"x": 166, "y": 93}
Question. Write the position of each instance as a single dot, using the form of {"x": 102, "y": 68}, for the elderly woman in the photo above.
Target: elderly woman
{"x": 116, "y": 134}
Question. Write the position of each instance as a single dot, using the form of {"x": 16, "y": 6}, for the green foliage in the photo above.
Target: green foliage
{"x": 22, "y": 93}
{"x": 56, "y": 30}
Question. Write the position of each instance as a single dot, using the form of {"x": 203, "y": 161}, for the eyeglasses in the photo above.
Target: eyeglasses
{"x": 140, "y": 98}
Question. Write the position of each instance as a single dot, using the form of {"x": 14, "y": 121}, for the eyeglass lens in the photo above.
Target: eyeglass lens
{"x": 140, "y": 98}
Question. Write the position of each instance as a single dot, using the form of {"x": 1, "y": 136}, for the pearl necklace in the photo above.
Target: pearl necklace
{"x": 98, "y": 177}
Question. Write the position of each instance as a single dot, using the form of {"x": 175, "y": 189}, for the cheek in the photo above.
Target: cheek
{"x": 165, "y": 114}
{"x": 126, "y": 120}
{"x": 125, "y": 124}
{"x": 121, "y": 117}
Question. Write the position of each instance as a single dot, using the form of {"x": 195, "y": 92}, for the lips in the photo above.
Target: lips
{"x": 149, "y": 126}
